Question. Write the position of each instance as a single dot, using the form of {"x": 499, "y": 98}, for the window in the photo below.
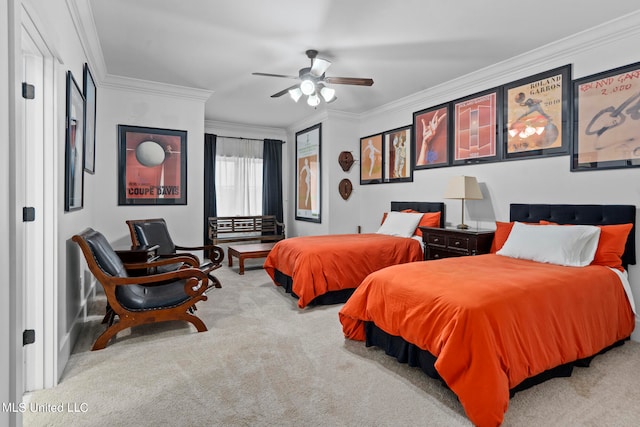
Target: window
{"x": 238, "y": 176}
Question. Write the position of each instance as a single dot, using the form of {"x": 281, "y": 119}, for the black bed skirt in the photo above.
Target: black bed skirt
{"x": 410, "y": 354}
{"x": 333, "y": 297}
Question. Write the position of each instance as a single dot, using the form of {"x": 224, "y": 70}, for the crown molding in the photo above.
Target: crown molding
{"x": 155, "y": 88}
{"x": 308, "y": 121}
{"x": 82, "y": 17}
{"x": 241, "y": 130}
{"x": 537, "y": 60}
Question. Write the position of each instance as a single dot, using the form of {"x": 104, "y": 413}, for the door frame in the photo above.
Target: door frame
{"x": 39, "y": 293}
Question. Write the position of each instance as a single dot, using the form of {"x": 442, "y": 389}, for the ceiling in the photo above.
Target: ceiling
{"x": 404, "y": 46}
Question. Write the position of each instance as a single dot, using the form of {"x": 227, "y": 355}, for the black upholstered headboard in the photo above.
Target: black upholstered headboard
{"x": 582, "y": 214}
{"x": 421, "y": 207}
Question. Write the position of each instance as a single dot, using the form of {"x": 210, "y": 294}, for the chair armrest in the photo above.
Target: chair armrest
{"x": 163, "y": 261}
{"x": 196, "y": 280}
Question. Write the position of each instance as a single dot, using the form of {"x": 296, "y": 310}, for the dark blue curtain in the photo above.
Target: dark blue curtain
{"x": 210, "y": 208}
{"x": 272, "y": 179}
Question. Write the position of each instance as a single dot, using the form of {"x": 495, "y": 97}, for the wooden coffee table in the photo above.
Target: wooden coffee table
{"x": 242, "y": 252}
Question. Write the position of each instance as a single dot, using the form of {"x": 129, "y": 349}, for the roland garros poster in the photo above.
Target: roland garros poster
{"x": 152, "y": 167}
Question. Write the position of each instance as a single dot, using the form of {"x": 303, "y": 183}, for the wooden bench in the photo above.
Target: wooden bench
{"x": 227, "y": 229}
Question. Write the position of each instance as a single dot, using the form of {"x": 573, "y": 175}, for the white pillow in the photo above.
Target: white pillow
{"x": 573, "y": 246}
{"x": 402, "y": 224}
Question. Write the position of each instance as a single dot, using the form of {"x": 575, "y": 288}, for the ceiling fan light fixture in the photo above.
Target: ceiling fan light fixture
{"x": 328, "y": 94}
{"x": 307, "y": 87}
{"x": 319, "y": 67}
{"x": 313, "y": 100}
{"x": 295, "y": 94}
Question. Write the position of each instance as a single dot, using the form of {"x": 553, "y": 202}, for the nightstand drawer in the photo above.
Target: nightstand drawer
{"x": 436, "y": 253}
{"x": 436, "y": 239}
{"x": 460, "y": 243}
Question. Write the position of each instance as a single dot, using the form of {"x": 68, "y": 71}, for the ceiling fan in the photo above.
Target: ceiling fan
{"x": 314, "y": 81}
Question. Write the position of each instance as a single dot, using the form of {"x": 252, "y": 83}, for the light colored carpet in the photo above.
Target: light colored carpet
{"x": 264, "y": 362}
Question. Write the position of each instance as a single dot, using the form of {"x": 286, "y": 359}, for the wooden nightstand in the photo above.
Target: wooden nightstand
{"x": 452, "y": 242}
{"x": 138, "y": 254}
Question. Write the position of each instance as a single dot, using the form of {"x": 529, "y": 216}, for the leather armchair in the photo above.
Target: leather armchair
{"x": 147, "y": 232}
{"x": 142, "y": 299}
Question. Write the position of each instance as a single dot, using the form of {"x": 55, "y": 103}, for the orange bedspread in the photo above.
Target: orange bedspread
{"x": 493, "y": 321}
{"x": 320, "y": 264}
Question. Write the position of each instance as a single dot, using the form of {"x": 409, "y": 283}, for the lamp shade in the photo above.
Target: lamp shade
{"x": 307, "y": 87}
{"x": 313, "y": 100}
{"x": 463, "y": 187}
{"x": 295, "y": 93}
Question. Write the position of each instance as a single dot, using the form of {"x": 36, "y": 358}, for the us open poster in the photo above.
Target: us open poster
{"x": 152, "y": 166}
{"x": 608, "y": 120}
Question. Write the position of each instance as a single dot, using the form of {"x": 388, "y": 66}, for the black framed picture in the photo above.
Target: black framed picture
{"x": 89, "y": 90}
{"x": 431, "y": 138}
{"x": 398, "y": 165}
{"x": 74, "y": 147}
{"x": 371, "y": 159}
{"x": 308, "y": 170}
{"x": 536, "y": 115}
{"x": 607, "y": 120}
{"x": 475, "y": 128}
{"x": 152, "y": 166}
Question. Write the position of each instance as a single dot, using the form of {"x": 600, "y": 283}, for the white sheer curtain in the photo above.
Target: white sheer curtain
{"x": 239, "y": 176}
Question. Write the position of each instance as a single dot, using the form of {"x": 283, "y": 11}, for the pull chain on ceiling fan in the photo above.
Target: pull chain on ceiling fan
{"x": 313, "y": 81}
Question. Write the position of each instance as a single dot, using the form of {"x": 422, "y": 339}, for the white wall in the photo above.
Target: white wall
{"x": 139, "y": 103}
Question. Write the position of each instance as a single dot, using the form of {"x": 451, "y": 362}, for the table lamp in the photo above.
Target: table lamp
{"x": 463, "y": 187}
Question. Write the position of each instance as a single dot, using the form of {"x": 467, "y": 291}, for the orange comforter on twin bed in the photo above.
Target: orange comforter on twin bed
{"x": 320, "y": 264}
{"x": 493, "y": 321}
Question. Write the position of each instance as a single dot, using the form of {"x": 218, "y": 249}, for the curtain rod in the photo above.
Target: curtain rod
{"x": 249, "y": 139}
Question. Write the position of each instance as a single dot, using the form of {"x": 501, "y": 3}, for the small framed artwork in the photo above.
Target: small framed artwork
{"x": 308, "y": 201}
{"x": 431, "y": 137}
{"x": 607, "y": 120}
{"x": 89, "y": 90}
{"x": 536, "y": 115}
{"x": 371, "y": 159}
{"x": 74, "y": 147}
{"x": 397, "y": 155}
{"x": 475, "y": 128}
{"x": 152, "y": 166}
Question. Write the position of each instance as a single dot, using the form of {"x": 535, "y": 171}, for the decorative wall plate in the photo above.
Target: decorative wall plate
{"x": 346, "y": 160}
{"x": 345, "y": 187}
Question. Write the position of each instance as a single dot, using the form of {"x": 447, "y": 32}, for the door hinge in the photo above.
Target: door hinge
{"x": 28, "y": 336}
{"x": 28, "y": 91}
{"x": 28, "y": 214}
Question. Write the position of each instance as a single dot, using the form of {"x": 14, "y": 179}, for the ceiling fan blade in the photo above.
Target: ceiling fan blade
{"x": 349, "y": 81}
{"x": 282, "y": 92}
{"x": 275, "y": 75}
{"x": 319, "y": 67}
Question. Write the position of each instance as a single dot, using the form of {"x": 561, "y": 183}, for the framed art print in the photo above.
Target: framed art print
{"x": 371, "y": 159}
{"x": 152, "y": 166}
{"x": 431, "y": 137}
{"x": 536, "y": 115}
{"x": 397, "y": 155}
{"x": 89, "y": 90}
{"x": 308, "y": 181}
{"x": 74, "y": 147}
{"x": 475, "y": 128}
{"x": 607, "y": 120}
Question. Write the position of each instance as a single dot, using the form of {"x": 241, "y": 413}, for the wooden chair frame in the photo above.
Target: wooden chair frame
{"x": 195, "y": 286}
